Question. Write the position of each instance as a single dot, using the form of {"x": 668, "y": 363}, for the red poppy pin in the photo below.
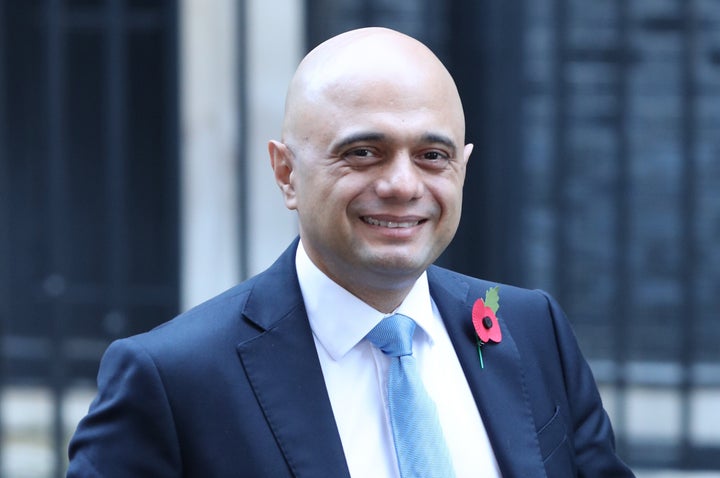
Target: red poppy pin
{"x": 484, "y": 318}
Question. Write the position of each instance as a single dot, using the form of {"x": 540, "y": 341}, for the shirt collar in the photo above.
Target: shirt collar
{"x": 339, "y": 320}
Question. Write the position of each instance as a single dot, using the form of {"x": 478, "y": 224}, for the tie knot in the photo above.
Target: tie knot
{"x": 393, "y": 335}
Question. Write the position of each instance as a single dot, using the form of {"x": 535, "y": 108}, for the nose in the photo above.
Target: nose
{"x": 400, "y": 179}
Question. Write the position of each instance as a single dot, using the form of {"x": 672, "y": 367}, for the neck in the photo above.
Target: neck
{"x": 381, "y": 290}
{"x": 384, "y": 301}
{"x": 384, "y": 296}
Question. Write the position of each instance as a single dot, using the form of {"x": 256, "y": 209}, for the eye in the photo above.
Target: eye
{"x": 358, "y": 157}
{"x": 433, "y": 159}
{"x": 434, "y": 155}
{"x": 361, "y": 152}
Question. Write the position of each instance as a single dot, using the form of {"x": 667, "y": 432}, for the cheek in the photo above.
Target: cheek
{"x": 448, "y": 193}
{"x": 319, "y": 196}
{"x": 338, "y": 192}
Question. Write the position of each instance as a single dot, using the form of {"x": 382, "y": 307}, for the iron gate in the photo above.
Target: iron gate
{"x": 89, "y": 244}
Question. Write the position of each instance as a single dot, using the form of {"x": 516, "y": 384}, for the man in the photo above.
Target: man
{"x": 280, "y": 376}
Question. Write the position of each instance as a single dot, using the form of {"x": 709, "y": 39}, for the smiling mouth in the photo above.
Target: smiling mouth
{"x": 390, "y": 224}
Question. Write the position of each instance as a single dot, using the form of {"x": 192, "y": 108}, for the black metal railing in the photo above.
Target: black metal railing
{"x": 89, "y": 167}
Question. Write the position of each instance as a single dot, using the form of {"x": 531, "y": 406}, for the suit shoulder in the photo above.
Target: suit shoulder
{"x": 217, "y": 320}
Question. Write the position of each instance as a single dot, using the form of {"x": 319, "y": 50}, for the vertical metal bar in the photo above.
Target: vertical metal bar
{"x": 689, "y": 211}
{"x": 242, "y": 190}
{"x": 57, "y": 209}
{"x": 368, "y": 10}
{"x": 508, "y": 106}
{"x": 115, "y": 180}
{"x": 437, "y": 14}
{"x": 621, "y": 302}
{"x": 503, "y": 77}
{"x": 560, "y": 135}
{"x": 315, "y": 14}
{"x": 4, "y": 231}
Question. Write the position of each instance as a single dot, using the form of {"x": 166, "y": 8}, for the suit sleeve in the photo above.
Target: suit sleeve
{"x": 129, "y": 429}
{"x": 593, "y": 438}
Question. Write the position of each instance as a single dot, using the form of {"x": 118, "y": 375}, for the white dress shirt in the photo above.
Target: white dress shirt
{"x": 355, "y": 376}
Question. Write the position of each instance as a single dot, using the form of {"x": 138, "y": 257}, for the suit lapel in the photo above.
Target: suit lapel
{"x": 282, "y": 367}
{"x": 499, "y": 388}
{"x": 284, "y": 371}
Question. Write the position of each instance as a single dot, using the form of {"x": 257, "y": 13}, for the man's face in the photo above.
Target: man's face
{"x": 373, "y": 159}
{"x": 377, "y": 180}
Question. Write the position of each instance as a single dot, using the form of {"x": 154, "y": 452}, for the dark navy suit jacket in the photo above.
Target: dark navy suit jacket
{"x": 234, "y": 388}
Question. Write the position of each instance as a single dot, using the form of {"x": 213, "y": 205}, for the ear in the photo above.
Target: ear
{"x": 281, "y": 161}
{"x": 467, "y": 152}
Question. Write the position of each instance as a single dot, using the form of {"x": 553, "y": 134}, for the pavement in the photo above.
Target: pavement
{"x": 27, "y": 416}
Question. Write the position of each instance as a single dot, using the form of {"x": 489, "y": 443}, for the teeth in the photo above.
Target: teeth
{"x": 389, "y": 224}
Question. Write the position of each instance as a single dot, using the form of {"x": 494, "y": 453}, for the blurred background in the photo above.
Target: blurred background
{"x": 134, "y": 183}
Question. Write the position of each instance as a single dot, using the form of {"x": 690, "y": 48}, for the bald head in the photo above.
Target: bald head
{"x": 360, "y": 66}
{"x": 373, "y": 160}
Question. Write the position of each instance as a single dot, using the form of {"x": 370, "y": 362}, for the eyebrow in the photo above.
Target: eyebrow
{"x": 441, "y": 139}
{"x": 376, "y": 137}
{"x": 359, "y": 138}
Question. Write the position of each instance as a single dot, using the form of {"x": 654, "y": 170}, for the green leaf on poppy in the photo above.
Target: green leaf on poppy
{"x": 492, "y": 299}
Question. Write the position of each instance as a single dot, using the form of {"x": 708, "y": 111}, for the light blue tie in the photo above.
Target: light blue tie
{"x": 419, "y": 443}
